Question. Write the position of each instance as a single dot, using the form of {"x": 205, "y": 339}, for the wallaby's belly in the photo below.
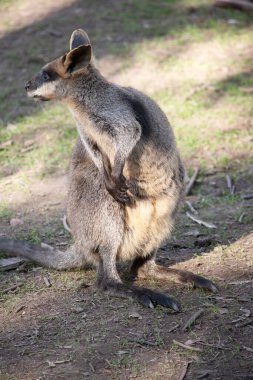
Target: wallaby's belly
{"x": 147, "y": 225}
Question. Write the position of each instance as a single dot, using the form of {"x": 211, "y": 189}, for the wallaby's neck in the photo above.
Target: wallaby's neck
{"x": 85, "y": 91}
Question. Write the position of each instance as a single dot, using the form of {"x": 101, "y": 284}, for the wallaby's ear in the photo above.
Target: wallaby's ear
{"x": 79, "y": 37}
{"x": 77, "y": 58}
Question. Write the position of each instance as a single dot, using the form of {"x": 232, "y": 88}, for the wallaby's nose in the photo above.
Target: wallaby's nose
{"x": 27, "y": 85}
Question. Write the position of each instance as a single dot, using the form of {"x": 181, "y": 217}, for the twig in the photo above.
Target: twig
{"x": 243, "y": 324}
{"x": 47, "y": 282}
{"x": 199, "y": 221}
{"x": 218, "y": 346}
{"x": 10, "y": 263}
{"x": 241, "y": 217}
{"x": 65, "y": 224}
{"x": 187, "y": 347}
{"x": 247, "y": 196}
{"x": 91, "y": 366}
{"x": 191, "y": 207}
{"x": 143, "y": 342}
{"x": 185, "y": 369}
{"x": 174, "y": 328}
{"x": 14, "y": 287}
{"x": 191, "y": 182}
{"x": 230, "y": 185}
{"x": 19, "y": 309}
{"x": 193, "y": 318}
{"x": 242, "y": 5}
{"x": 248, "y": 348}
{"x": 240, "y": 282}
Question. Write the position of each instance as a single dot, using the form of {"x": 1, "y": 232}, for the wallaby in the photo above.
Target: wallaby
{"x": 126, "y": 179}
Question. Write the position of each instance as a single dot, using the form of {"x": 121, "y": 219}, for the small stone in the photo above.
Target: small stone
{"x": 78, "y": 309}
{"x": 28, "y": 143}
{"x": 223, "y": 310}
{"x": 135, "y": 315}
{"x": 6, "y": 144}
{"x": 122, "y": 352}
{"x": 246, "y": 312}
{"x": 16, "y": 222}
{"x": 194, "y": 233}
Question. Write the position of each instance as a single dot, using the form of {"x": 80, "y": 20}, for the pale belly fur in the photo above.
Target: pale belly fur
{"x": 148, "y": 224}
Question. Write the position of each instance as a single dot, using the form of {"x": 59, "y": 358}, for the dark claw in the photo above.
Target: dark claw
{"x": 120, "y": 197}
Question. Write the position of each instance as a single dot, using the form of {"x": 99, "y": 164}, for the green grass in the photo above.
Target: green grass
{"x": 5, "y": 211}
{"x": 54, "y": 133}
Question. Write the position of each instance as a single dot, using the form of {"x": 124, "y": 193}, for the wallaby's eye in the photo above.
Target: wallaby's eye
{"x": 45, "y": 76}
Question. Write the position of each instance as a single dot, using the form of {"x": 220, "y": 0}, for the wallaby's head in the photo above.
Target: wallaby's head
{"x": 54, "y": 78}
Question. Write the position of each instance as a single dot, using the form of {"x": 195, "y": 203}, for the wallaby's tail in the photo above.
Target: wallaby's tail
{"x": 43, "y": 254}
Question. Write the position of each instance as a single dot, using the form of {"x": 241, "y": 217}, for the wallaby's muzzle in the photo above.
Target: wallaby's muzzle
{"x": 36, "y": 87}
{"x": 27, "y": 86}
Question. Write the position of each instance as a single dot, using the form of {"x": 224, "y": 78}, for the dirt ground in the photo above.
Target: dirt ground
{"x": 56, "y": 325}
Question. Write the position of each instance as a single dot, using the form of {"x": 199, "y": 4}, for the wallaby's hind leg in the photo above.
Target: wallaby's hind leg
{"x": 44, "y": 254}
{"x": 147, "y": 267}
{"x": 109, "y": 280}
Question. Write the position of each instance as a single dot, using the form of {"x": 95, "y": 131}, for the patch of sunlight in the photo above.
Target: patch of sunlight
{"x": 52, "y": 134}
{"x": 18, "y": 14}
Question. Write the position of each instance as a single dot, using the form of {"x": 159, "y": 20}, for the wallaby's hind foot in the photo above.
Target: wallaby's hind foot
{"x": 146, "y": 297}
{"x": 108, "y": 279}
{"x": 145, "y": 268}
{"x": 186, "y": 277}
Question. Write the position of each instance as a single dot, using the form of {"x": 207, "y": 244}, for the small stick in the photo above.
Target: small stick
{"x": 191, "y": 207}
{"x": 240, "y": 282}
{"x": 174, "y": 328}
{"x": 62, "y": 361}
{"x": 219, "y": 347}
{"x": 193, "y": 318}
{"x": 14, "y": 287}
{"x": 47, "y": 282}
{"x": 91, "y": 366}
{"x": 242, "y": 5}
{"x": 10, "y": 263}
{"x": 199, "y": 221}
{"x": 65, "y": 224}
{"x": 182, "y": 376}
{"x": 247, "y": 196}
{"x": 143, "y": 342}
{"x": 241, "y": 217}
{"x": 229, "y": 181}
{"x": 230, "y": 185}
{"x": 187, "y": 347}
{"x": 19, "y": 309}
{"x": 243, "y": 324}
{"x": 248, "y": 348}
{"x": 191, "y": 182}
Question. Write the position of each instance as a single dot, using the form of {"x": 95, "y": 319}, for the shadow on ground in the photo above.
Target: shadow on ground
{"x": 113, "y": 28}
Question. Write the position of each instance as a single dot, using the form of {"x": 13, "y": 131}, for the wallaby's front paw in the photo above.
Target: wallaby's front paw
{"x": 117, "y": 187}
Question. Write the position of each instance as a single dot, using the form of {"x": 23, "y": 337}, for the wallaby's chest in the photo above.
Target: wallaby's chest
{"x": 92, "y": 134}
